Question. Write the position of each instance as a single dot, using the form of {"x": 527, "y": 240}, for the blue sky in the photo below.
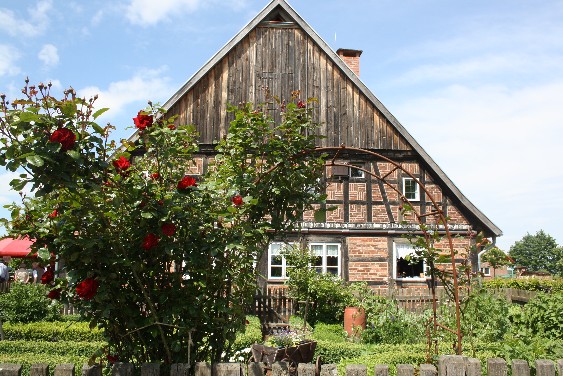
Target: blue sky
{"x": 478, "y": 83}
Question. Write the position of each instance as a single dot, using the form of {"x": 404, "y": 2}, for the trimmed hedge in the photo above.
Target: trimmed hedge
{"x": 52, "y": 331}
{"x": 530, "y": 284}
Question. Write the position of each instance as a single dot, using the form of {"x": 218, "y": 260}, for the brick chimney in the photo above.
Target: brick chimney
{"x": 351, "y": 58}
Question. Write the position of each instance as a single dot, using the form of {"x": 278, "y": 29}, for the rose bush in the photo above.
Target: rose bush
{"x": 160, "y": 259}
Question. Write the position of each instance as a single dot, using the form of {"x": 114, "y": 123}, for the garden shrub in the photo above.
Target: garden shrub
{"x": 329, "y": 332}
{"x": 530, "y": 284}
{"x": 542, "y": 316}
{"x": 28, "y": 303}
{"x": 52, "y": 331}
{"x": 388, "y": 323}
{"x": 334, "y": 352}
{"x": 251, "y": 335}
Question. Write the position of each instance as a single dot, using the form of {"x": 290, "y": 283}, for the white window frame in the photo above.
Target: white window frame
{"x": 283, "y": 265}
{"x": 400, "y": 250}
{"x": 416, "y": 192}
{"x": 325, "y": 247}
{"x": 356, "y": 167}
{"x": 485, "y": 272}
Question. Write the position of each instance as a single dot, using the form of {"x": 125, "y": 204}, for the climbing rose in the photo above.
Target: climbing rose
{"x": 65, "y": 137}
{"x": 301, "y": 104}
{"x": 121, "y": 164}
{"x": 142, "y": 120}
{"x": 237, "y": 200}
{"x": 87, "y": 288}
{"x": 187, "y": 181}
{"x": 54, "y": 214}
{"x": 54, "y": 294}
{"x": 155, "y": 176}
{"x": 150, "y": 241}
{"x": 47, "y": 277}
{"x": 168, "y": 229}
{"x": 112, "y": 358}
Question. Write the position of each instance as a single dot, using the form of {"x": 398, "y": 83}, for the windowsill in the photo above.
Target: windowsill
{"x": 415, "y": 279}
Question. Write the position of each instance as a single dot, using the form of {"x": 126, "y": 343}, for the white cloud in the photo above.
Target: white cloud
{"x": 499, "y": 146}
{"x": 148, "y": 84}
{"x": 49, "y": 55}
{"x": 8, "y": 58}
{"x": 150, "y": 12}
{"x": 32, "y": 25}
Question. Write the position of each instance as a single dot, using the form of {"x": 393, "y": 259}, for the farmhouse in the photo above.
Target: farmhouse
{"x": 362, "y": 239}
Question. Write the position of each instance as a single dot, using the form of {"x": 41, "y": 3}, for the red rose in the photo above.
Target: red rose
{"x": 54, "y": 294}
{"x": 171, "y": 126}
{"x": 150, "y": 241}
{"x": 47, "y": 277}
{"x": 168, "y": 229}
{"x": 65, "y": 137}
{"x": 121, "y": 164}
{"x": 301, "y": 104}
{"x": 112, "y": 358}
{"x": 87, "y": 288}
{"x": 187, "y": 181}
{"x": 53, "y": 214}
{"x": 237, "y": 200}
{"x": 155, "y": 176}
{"x": 142, "y": 120}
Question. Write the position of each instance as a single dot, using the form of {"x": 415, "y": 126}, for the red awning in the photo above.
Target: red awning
{"x": 16, "y": 247}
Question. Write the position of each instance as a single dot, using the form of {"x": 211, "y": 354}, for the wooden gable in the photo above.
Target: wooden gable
{"x": 277, "y": 53}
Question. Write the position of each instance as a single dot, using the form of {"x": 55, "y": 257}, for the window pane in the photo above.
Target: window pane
{"x": 275, "y": 271}
{"x": 318, "y": 261}
{"x": 276, "y": 260}
{"x": 332, "y": 261}
{"x": 332, "y": 271}
{"x": 317, "y": 250}
{"x": 410, "y": 189}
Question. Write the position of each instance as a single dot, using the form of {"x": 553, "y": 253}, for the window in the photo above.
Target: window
{"x": 405, "y": 264}
{"x": 277, "y": 264}
{"x": 410, "y": 189}
{"x": 356, "y": 173}
{"x": 486, "y": 271}
{"x": 327, "y": 257}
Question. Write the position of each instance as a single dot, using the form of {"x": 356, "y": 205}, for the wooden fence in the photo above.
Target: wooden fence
{"x": 449, "y": 365}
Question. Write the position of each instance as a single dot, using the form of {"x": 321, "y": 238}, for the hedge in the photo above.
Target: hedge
{"x": 530, "y": 284}
{"x": 52, "y": 331}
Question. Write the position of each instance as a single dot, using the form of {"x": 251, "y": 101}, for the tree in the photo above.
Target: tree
{"x": 496, "y": 258}
{"x": 161, "y": 260}
{"x": 538, "y": 252}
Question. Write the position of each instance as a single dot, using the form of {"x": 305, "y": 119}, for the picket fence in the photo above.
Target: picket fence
{"x": 448, "y": 365}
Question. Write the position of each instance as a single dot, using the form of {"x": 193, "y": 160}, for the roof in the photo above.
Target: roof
{"x": 280, "y": 11}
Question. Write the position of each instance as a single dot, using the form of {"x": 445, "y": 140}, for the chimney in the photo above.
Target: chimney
{"x": 351, "y": 58}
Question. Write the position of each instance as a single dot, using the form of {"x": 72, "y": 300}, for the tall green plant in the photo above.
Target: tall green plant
{"x": 161, "y": 260}
{"x": 26, "y": 303}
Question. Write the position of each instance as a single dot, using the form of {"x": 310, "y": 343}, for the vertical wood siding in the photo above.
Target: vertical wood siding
{"x": 271, "y": 62}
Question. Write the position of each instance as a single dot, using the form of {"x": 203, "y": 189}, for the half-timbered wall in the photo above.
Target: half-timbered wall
{"x": 271, "y": 62}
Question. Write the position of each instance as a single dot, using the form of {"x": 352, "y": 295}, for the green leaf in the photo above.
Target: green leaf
{"x": 95, "y": 116}
{"x": 320, "y": 215}
{"x": 147, "y": 215}
{"x": 74, "y": 154}
{"x": 35, "y": 160}
{"x": 28, "y": 117}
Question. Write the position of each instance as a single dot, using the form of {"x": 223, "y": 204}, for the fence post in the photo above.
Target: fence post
{"x": 150, "y": 369}
{"x": 451, "y": 365}
{"x": 122, "y": 369}
{"x": 9, "y": 369}
{"x": 472, "y": 367}
{"x": 255, "y": 369}
{"x": 202, "y": 369}
{"x": 39, "y": 369}
{"x": 329, "y": 370}
{"x": 280, "y": 369}
{"x": 496, "y": 367}
{"x": 520, "y": 368}
{"x": 179, "y": 369}
{"x": 356, "y": 370}
{"x": 545, "y": 367}
{"x": 382, "y": 370}
{"x": 226, "y": 369}
{"x": 94, "y": 370}
{"x": 560, "y": 367}
{"x": 428, "y": 370}
{"x": 64, "y": 370}
{"x": 405, "y": 370}
{"x": 305, "y": 369}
